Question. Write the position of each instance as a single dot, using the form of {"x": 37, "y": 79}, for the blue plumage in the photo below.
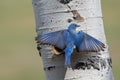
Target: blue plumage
{"x": 67, "y": 39}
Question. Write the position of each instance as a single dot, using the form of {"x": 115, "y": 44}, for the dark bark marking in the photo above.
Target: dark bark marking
{"x": 49, "y": 68}
{"x": 35, "y": 4}
{"x": 64, "y": 1}
{"x": 69, "y": 20}
{"x": 94, "y": 61}
{"x": 76, "y": 16}
{"x": 110, "y": 61}
{"x": 38, "y": 46}
{"x": 80, "y": 65}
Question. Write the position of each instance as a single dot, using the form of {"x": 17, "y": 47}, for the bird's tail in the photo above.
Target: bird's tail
{"x": 67, "y": 61}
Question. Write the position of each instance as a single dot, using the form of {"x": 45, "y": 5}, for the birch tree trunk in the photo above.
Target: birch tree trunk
{"x": 54, "y": 15}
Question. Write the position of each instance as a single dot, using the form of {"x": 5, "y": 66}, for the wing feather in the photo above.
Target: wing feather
{"x": 89, "y": 43}
{"x": 53, "y": 38}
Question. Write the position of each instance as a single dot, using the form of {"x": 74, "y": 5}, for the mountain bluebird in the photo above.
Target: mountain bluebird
{"x": 69, "y": 39}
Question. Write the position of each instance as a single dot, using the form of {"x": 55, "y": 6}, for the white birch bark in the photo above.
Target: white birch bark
{"x": 51, "y": 15}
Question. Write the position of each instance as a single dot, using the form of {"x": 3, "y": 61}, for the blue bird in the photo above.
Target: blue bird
{"x": 68, "y": 39}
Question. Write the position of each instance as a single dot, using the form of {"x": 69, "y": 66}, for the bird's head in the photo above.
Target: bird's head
{"x": 73, "y": 26}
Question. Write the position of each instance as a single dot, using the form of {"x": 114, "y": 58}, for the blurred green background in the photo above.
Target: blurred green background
{"x": 19, "y": 59}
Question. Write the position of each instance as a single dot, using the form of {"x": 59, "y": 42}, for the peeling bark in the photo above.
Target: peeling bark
{"x": 54, "y": 15}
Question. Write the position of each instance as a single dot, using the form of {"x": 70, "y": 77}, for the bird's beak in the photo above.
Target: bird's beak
{"x": 78, "y": 25}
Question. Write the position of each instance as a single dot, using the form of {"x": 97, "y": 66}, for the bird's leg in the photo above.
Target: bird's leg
{"x": 68, "y": 52}
{"x": 57, "y": 51}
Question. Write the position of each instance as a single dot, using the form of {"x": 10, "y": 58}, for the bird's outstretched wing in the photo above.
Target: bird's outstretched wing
{"x": 89, "y": 43}
{"x": 54, "y": 38}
